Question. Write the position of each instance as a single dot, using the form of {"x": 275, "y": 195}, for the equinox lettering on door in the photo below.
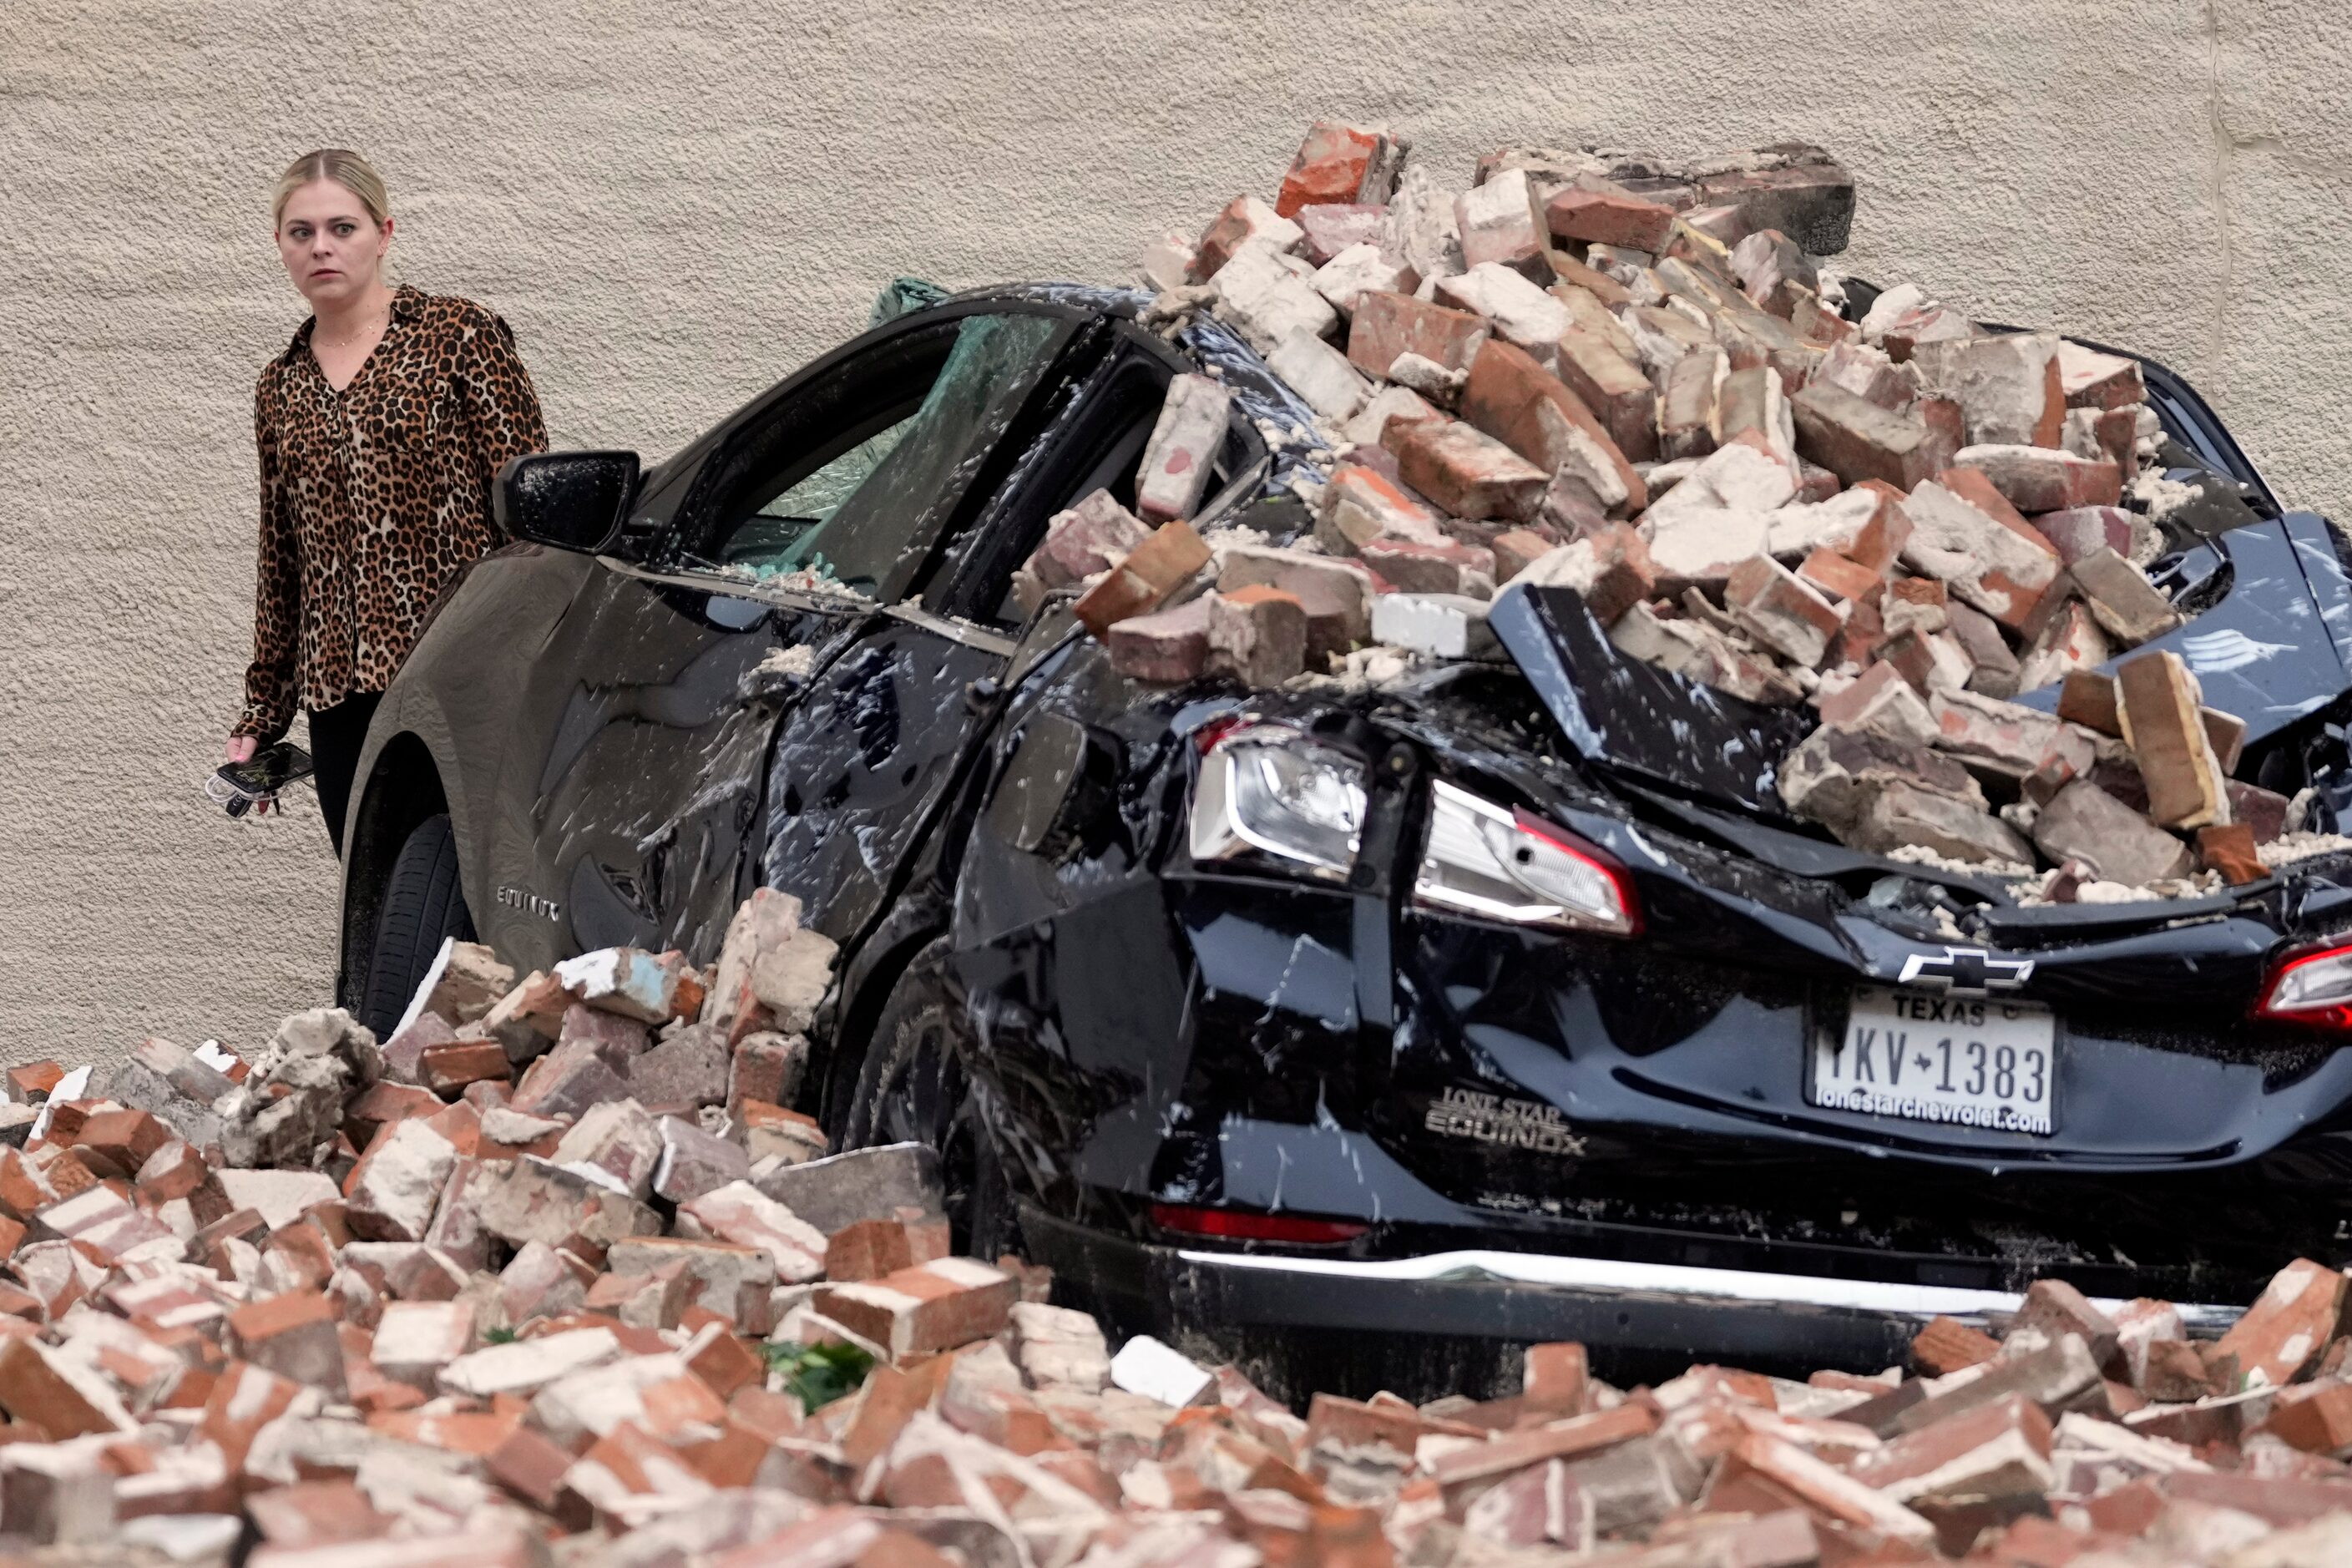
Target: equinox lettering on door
{"x": 523, "y": 899}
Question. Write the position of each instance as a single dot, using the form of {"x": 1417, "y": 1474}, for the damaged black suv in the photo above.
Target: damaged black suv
{"x": 1494, "y": 1001}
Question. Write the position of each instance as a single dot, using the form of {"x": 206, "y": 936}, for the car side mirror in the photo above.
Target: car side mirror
{"x": 573, "y": 500}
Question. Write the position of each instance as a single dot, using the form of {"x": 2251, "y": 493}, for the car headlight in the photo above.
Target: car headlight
{"x": 1267, "y": 787}
{"x": 1508, "y": 866}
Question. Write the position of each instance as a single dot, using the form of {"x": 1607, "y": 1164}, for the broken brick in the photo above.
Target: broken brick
{"x": 2008, "y": 385}
{"x": 1243, "y": 219}
{"x": 2318, "y": 1423}
{"x": 1601, "y": 217}
{"x": 2043, "y": 479}
{"x": 1838, "y": 578}
{"x": 1360, "y": 504}
{"x": 1946, "y": 1345}
{"x": 929, "y": 1308}
{"x": 1469, "y": 474}
{"x": 1857, "y": 439}
{"x": 292, "y": 1335}
{"x": 1320, "y": 376}
{"x": 2092, "y": 380}
{"x": 1517, "y": 548}
{"x": 2127, "y": 606}
{"x": 1141, "y": 582}
{"x": 2229, "y": 849}
{"x": 1338, "y": 163}
{"x": 31, "y": 1084}
{"x": 1610, "y": 570}
{"x": 1386, "y": 326}
{"x": 1327, "y": 228}
{"x": 394, "y": 1188}
{"x": 1412, "y": 566}
{"x": 2157, "y": 711}
{"x": 1500, "y": 221}
{"x": 449, "y": 1067}
{"x": 1774, "y": 271}
{"x": 2000, "y": 1449}
{"x": 2289, "y": 1325}
{"x": 1976, "y": 544}
{"x": 2086, "y": 823}
{"x": 1781, "y": 610}
{"x": 1620, "y": 397}
{"x": 1165, "y": 646}
{"x": 1688, "y": 404}
{"x": 1266, "y": 295}
{"x": 1092, "y": 536}
{"x": 645, "y": 988}
{"x": 1515, "y": 400}
{"x": 1180, "y": 458}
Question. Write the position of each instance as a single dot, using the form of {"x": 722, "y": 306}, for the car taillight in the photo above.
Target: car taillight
{"x": 2314, "y": 989}
{"x": 1513, "y": 866}
{"x": 1249, "y": 1225}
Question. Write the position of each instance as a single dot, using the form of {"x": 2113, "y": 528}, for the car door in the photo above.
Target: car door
{"x": 786, "y": 543}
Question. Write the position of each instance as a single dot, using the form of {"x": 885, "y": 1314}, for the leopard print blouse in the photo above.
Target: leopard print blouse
{"x": 373, "y": 497}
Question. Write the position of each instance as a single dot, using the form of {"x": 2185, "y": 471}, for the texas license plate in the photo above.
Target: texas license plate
{"x": 1964, "y": 1060}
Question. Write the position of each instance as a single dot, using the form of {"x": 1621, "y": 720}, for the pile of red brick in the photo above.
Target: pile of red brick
{"x": 541, "y": 1280}
{"x": 1605, "y": 374}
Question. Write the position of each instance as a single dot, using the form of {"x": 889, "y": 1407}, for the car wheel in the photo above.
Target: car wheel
{"x": 423, "y": 905}
{"x": 912, "y": 1087}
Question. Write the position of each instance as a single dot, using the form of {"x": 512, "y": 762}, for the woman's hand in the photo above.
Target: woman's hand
{"x": 240, "y": 750}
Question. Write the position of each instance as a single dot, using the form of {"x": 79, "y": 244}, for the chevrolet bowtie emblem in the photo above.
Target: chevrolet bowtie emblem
{"x": 1971, "y": 970}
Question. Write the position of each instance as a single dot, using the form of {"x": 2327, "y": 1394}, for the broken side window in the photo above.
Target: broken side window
{"x": 864, "y": 507}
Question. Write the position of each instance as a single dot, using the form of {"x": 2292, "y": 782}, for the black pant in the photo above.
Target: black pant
{"x": 335, "y": 736}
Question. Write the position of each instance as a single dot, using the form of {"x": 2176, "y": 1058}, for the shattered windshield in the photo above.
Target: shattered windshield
{"x": 866, "y": 519}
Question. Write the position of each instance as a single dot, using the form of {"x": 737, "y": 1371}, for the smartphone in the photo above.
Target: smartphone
{"x": 235, "y": 786}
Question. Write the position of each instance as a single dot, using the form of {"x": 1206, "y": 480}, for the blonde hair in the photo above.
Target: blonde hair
{"x": 344, "y": 166}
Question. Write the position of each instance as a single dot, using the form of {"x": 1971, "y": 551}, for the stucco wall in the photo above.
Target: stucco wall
{"x": 676, "y": 203}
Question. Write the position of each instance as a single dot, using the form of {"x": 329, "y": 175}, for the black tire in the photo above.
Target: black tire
{"x": 912, "y": 1085}
{"x": 422, "y": 904}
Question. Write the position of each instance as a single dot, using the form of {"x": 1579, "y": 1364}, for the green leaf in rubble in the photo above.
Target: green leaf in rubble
{"x": 817, "y": 1375}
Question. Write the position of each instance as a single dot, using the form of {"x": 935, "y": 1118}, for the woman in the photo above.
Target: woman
{"x": 380, "y": 429}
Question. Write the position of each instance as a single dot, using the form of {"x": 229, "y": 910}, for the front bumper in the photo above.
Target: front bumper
{"x": 1636, "y": 1316}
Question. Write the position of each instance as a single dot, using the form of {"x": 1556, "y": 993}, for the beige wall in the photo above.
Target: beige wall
{"x": 675, "y": 201}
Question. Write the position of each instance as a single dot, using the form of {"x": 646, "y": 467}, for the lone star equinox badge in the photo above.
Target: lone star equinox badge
{"x": 1969, "y": 970}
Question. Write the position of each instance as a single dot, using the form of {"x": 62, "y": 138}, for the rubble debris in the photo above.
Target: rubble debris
{"x": 596, "y": 1329}
{"x": 1605, "y": 372}
{"x": 802, "y": 1370}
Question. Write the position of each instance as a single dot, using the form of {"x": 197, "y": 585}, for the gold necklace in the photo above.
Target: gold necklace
{"x": 373, "y": 326}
